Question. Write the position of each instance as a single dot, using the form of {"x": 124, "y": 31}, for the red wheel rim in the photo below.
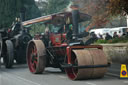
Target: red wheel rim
{"x": 72, "y": 72}
{"x": 32, "y": 57}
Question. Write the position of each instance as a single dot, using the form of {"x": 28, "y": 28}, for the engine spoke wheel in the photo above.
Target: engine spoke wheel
{"x": 36, "y": 56}
{"x": 72, "y": 72}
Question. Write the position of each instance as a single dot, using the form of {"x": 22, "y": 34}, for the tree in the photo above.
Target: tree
{"x": 10, "y": 9}
{"x": 97, "y": 9}
{"x": 118, "y": 7}
{"x": 42, "y": 5}
{"x": 52, "y": 6}
{"x": 55, "y": 6}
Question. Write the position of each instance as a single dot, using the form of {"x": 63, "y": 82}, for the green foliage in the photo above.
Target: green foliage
{"x": 114, "y": 40}
{"x": 52, "y": 6}
{"x": 37, "y": 29}
{"x": 10, "y": 9}
{"x": 32, "y": 12}
{"x": 55, "y": 6}
{"x": 120, "y": 40}
{"x": 100, "y": 41}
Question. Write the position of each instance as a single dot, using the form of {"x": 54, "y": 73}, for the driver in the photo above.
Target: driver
{"x": 46, "y": 36}
{"x": 69, "y": 33}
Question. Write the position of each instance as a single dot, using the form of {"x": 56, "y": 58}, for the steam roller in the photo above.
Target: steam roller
{"x": 88, "y": 63}
{"x": 65, "y": 47}
{"x": 79, "y": 62}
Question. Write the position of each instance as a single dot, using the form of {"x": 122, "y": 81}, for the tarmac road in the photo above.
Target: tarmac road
{"x": 20, "y": 75}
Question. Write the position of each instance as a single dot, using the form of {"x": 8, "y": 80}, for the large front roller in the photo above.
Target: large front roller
{"x": 87, "y": 58}
{"x": 36, "y": 56}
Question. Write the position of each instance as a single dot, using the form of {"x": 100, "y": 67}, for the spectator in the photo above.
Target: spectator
{"x": 100, "y": 36}
{"x": 94, "y": 36}
{"x": 127, "y": 32}
{"x": 115, "y": 35}
{"x": 108, "y": 37}
{"x": 90, "y": 39}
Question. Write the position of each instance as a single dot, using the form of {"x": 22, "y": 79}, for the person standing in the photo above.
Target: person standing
{"x": 108, "y": 37}
{"x": 115, "y": 35}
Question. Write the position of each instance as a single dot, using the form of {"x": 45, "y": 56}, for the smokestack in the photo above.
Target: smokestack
{"x": 22, "y": 14}
{"x": 75, "y": 20}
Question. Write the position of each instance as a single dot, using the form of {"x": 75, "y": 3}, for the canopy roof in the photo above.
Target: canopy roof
{"x": 57, "y": 19}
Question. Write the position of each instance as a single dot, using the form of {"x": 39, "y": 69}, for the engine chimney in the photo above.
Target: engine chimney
{"x": 22, "y": 14}
{"x": 75, "y": 20}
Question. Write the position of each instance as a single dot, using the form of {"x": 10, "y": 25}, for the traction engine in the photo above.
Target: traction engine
{"x": 65, "y": 48}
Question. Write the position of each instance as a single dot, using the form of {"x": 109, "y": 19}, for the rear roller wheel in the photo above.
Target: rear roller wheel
{"x": 0, "y": 48}
{"x": 36, "y": 56}
{"x": 87, "y": 57}
{"x": 9, "y": 56}
{"x": 1, "y": 42}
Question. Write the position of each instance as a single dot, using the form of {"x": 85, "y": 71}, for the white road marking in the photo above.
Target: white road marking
{"x": 125, "y": 81}
{"x": 90, "y": 83}
{"x": 62, "y": 77}
{"x": 0, "y": 79}
{"x": 20, "y": 78}
{"x": 112, "y": 74}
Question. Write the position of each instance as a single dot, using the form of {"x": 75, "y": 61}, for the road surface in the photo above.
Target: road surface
{"x": 20, "y": 75}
